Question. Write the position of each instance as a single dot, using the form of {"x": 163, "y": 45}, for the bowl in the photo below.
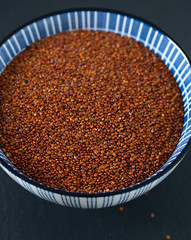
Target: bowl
{"x": 121, "y": 23}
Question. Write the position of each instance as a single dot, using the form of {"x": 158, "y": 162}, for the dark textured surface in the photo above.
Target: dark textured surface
{"x": 25, "y": 216}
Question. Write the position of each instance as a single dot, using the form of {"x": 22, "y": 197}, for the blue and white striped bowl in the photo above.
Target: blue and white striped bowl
{"x": 122, "y": 24}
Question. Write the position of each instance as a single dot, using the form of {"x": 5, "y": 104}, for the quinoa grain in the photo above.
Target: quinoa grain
{"x": 89, "y": 111}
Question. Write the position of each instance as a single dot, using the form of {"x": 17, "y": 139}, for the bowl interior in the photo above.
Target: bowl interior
{"x": 149, "y": 36}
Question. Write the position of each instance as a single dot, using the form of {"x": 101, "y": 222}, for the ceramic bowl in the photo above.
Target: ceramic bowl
{"x": 123, "y": 24}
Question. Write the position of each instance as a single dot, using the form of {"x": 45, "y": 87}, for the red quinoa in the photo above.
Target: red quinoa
{"x": 152, "y": 215}
{"x": 121, "y": 208}
{"x": 89, "y": 111}
{"x": 168, "y": 237}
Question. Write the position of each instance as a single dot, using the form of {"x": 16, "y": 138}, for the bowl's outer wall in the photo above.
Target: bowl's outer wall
{"x": 121, "y": 24}
{"x": 86, "y": 202}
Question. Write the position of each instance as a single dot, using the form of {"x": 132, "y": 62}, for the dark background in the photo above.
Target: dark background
{"x": 25, "y": 216}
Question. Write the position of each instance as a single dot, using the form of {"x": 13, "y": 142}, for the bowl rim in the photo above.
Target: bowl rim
{"x": 147, "y": 181}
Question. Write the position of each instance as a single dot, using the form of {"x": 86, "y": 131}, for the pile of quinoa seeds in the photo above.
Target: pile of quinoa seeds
{"x": 89, "y": 111}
